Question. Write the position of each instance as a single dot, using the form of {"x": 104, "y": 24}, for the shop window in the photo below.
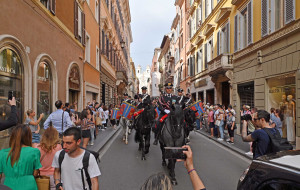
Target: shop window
{"x": 246, "y": 93}
{"x": 11, "y": 79}
{"x": 74, "y": 84}
{"x": 44, "y": 91}
{"x": 282, "y": 95}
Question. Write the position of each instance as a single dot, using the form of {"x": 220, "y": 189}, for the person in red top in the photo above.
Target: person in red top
{"x": 49, "y": 145}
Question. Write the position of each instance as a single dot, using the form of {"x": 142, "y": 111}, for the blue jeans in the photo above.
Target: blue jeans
{"x": 221, "y": 129}
{"x": 198, "y": 123}
{"x": 92, "y": 134}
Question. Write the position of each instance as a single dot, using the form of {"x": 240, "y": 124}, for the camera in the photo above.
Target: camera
{"x": 175, "y": 153}
{"x": 246, "y": 117}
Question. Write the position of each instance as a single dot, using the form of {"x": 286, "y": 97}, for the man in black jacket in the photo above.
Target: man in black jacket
{"x": 164, "y": 105}
{"x": 13, "y": 118}
{"x": 143, "y": 99}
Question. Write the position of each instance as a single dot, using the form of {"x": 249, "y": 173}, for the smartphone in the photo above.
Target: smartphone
{"x": 175, "y": 153}
{"x": 10, "y": 95}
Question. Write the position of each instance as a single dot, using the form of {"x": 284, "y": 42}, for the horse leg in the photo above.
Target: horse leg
{"x": 171, "y": 167}
{"x": 143, "y": 148}
{"x": 163, "y": 154}
{"x": 126, "y": 135}
{"x": 147, "y": 142}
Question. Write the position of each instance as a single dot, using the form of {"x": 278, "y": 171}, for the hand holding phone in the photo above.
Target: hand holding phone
{"x": 175, "y": 153}
{"x": 12, "y": 102}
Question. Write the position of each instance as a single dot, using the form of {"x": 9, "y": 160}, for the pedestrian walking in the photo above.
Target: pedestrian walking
{"x": 91, "y": 124}
{"x": 69, "y": 172}
{"x": 60, "y": 119}
{"x": 20, "y": 162}
{"x": 211, "y": 121}
{"x": 50, "y": 144}
{"x": 85, "y": 128}
{"x": 34, "y": 125}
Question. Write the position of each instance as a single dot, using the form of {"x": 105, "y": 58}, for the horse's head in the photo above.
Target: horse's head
{"x": 177, "y": 114}
{"x": 190, "y": 115}
{"x": 150, "y": 113}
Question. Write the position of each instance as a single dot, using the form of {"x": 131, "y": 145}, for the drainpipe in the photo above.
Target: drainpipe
{"x": 100, "y": 50}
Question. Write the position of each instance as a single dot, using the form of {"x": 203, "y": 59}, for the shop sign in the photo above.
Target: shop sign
{"x": 8, "y": 70}
{"x": 283, "y": 89}
{"x": 200, "y": 83}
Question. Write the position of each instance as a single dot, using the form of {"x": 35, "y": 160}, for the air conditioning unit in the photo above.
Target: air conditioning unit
{"x": 259, "y": 53}
{"x": 259, "y": 60}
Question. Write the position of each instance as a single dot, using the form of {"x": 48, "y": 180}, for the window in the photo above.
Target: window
{"x": 44, "y": 90}
{"x": 223, "y": 41}
{"x": 97, "y": 11}
{"x": 276, "y": 13}
{"x": 50, "y": 5}
{"x": 243, "y": 28}
{"x": 88, "y": 49}
{"x": 209, "y": 51}
{"x": 79, "y": 24}
{"x": 97, "y": 58}
{"x": 199, "y": 61}
{"x": 199, "y": 16}
{"x": 181, "y": 72}
{"x": 208, "y": 7}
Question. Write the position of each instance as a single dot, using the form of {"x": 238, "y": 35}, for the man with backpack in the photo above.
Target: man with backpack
{"x": 265, "y": 138}
{"x": 75, "y": 168}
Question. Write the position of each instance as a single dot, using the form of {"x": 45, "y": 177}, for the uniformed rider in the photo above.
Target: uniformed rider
{"x": 181, "y": 98}
{"x": 143, "y": 99}
{"x": 164, "y": 105}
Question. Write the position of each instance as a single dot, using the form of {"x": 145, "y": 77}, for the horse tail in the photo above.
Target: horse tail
{"x": 137, "y": 137}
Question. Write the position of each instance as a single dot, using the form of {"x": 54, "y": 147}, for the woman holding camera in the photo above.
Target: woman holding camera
{"x": 34, "y": 125}
{"x": 231, "y": 126}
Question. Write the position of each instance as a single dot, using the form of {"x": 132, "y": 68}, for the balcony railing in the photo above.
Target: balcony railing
{"x": 121, "y": 75}
{"x": 220, "y": 64}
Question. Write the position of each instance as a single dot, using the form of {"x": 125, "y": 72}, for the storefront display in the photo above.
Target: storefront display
{"x": 11, "y": 76}
{"x": 282, "y": 92}
{"x": 44, "y": 91}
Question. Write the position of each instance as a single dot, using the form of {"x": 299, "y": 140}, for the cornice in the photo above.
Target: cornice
{"x": 224, "y": 12}
{"x": 282, "y": 33}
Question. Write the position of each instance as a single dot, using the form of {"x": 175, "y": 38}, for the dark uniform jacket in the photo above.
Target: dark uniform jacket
{"x": 145, "y": 100}
{"x": 165, "y": 101}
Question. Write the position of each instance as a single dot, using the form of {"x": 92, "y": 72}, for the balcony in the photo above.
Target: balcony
{"x": 220, "y": 65}
{"x": 122, "y": 77}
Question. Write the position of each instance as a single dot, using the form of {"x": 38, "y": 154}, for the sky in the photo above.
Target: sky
{"x": 150, "y": 21}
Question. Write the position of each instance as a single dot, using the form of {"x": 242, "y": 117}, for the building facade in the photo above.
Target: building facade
{"x": 155, "y": 74}
{"x": 143, "y": 78}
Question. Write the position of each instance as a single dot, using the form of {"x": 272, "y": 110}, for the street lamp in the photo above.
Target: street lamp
{"x": 122, "y": 44}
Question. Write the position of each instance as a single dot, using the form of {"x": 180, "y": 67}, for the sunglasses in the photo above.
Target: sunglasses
{"x": 168, "y": 87}
{"x": 256, "y": 119}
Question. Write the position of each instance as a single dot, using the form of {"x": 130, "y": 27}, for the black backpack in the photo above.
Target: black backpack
{"x": 85, "y": 164}
{"x": 276, "y": 142}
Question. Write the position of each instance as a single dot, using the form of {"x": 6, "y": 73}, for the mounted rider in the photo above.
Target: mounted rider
{"x": 144, "y": 100}
{"x": 164, "y": 105}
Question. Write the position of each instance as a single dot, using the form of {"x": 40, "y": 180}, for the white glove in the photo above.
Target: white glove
{"x": 167, "y": 111}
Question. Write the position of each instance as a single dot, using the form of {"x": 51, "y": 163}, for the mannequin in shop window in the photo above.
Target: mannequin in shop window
{"x": 290, "y": 119}
{"x": 283, "y": 107}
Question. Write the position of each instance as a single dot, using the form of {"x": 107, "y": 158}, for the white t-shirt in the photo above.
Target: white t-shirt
{"x": 106, "y": 113}
{"x": 70, "y": 170}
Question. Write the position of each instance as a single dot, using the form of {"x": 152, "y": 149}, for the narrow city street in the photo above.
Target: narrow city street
{"x": 122, "y": 168}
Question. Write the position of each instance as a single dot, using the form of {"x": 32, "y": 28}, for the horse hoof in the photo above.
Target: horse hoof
{"x": 174, "y": 182}
{"x": 143, "y": 158}
{"x": 164, "y": 164}
{"x": 126, "y": 142}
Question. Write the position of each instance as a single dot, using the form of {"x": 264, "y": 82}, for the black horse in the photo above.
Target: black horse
{"x": 143, "y": 129}
{"x": 190, "y": 119}
{"x": 172, "y": 135}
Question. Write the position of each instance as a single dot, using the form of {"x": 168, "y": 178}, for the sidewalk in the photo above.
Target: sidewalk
{"x": 239, "y": 146}
{"x": 102, "y": 138}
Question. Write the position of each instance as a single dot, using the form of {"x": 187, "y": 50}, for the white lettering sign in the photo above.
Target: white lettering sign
{"x": 7, "y": 70}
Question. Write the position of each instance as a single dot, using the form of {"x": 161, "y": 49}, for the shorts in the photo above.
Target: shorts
{"x": 86, "y": 133}
{"x": 211, "y": 125}
{"x": 35, "y": 138}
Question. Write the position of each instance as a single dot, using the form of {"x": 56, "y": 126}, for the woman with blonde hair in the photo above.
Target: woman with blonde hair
{"x": 50, "y": 144}
{"x": 34, "y": 125}
{"x": 20, "y": 162}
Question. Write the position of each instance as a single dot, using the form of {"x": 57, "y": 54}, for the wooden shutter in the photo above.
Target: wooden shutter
{"x": 218, "y": 43}
{"x": 197, "y": 17}
{"x": 76, "y": 20}
{"x": 52, "y": 6}
{"x": 289, "y": 11}
{"x": 205, "y": 55}
{"x": 264, "y": 17}
{"x": 102, "y": 42}
{"x": 227, "y": 36}
{"x": 250, "y": 21}
{"x": 83, "y": 28}
{"x": 235, "y": 33}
